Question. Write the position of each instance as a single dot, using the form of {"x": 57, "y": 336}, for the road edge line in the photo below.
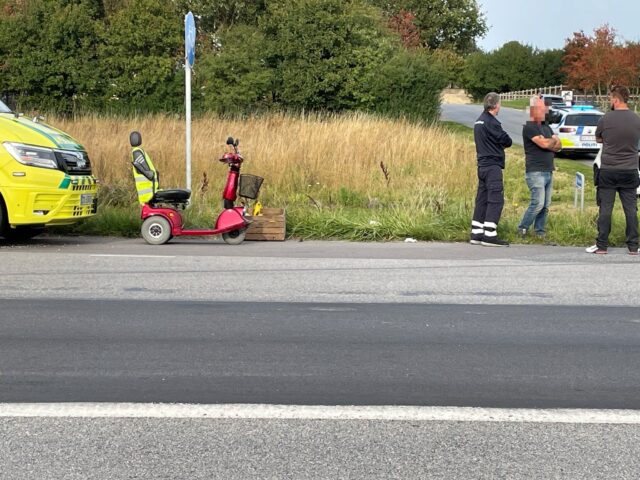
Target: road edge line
{"x": 317, "y": 412}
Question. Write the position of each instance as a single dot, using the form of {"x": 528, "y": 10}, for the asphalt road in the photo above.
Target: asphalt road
{"x": 159, "y": 449}
{"x": 326, "y": 354}
{"x": 316, "y": 323}
{"x": 328, "y": 272}
{"x": 512, "y": 121}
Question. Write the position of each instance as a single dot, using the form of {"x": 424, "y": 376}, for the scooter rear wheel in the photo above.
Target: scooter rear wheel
{"x": 156, "y": 230}
{"x": 235, "y": 237}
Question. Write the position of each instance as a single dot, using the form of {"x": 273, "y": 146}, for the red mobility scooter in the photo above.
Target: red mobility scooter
{"x": 161, "y": 208}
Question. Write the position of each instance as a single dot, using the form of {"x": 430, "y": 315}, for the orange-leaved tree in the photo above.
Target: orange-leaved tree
{"x": 403, "y": 23}
{"x": 595, "y": 63}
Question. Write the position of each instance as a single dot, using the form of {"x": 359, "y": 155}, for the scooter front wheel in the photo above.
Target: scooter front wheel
{"x": 235, "y": 237}
{"x": 156, "y": 230}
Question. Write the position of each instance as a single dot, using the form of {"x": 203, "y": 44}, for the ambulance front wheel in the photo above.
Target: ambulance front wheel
{"x": 156, "y": 230}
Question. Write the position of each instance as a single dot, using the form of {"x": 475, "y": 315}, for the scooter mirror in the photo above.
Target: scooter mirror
{"x": 237, "y": 142}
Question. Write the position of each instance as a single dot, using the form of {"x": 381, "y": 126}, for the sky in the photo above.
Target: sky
{"x": 556, "y": 20}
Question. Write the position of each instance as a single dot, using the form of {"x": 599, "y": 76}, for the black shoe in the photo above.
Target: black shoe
{"x": 493, "y": 242}
{"x": 476, "y": 239}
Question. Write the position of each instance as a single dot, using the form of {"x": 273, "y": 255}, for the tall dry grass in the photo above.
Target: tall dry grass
{"x": 326, "y": 171}
{"x": 326, "y": 158}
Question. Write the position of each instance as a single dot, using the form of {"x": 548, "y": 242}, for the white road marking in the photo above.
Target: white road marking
{"x": 303, "y": 412}
{"x": 131, "y": 256}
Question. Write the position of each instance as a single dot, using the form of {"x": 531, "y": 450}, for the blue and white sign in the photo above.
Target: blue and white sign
{"x": 190, "y": 58}
{"x": 190, "y": 38}
{"x": 579, "y": 188}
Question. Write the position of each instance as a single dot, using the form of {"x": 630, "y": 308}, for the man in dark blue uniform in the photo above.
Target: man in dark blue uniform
{"x": 491, "y": 141}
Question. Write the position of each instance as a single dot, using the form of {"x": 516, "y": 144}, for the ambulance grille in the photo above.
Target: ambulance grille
{"x": 74, "y": 163}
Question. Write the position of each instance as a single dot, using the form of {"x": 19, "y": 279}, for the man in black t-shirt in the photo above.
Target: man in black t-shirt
{"x": 539, "y": 146}
{"x": 619, "y": 132}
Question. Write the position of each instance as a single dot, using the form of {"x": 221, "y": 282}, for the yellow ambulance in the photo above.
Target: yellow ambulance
{"x": 45, "y": 177}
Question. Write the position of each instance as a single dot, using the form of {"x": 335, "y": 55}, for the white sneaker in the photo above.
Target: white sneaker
{"x": 595, "y": 249}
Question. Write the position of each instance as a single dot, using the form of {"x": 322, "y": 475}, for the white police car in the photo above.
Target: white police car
{"x": 553, "y": 100}
{"x": 576, "y": 127}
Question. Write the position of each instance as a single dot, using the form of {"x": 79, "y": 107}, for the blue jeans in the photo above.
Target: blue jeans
{"x": 540, "y": 184}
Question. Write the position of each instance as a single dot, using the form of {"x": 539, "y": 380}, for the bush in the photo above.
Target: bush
{"x": 48, "y": 52}
{"x": 326, "y": 52}
{"x": 512, "y": 67}
{"x": 138, "y": 58}
{"x": 409, "y": 86}
{"x": 236, "y": 79}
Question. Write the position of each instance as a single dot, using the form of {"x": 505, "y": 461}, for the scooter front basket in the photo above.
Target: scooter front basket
{"x": 249, "y": 186}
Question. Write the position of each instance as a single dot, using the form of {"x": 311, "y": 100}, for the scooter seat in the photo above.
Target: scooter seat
{"x": 171, "y": 196}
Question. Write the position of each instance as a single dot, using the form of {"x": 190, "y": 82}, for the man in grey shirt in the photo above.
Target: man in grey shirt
{"x": 619, "y": 132}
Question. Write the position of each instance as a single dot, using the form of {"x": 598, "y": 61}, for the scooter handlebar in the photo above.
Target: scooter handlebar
{"x": 231, "y": 158}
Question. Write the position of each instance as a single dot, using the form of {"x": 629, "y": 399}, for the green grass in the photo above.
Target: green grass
{"x": 387, "y": 223}
{"x": 520, "y": 104}
{"x": 110, "y": 221}
{"x": 458, "y": 128}
{"x": 428, "y": 215}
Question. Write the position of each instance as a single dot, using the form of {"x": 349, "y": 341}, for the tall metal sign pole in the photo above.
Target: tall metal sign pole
{"x": 190, "y": 57}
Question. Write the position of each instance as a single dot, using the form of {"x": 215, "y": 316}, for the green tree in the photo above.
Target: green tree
{"x": 450, "y": 63}
{"x": 236, "y": 79}
{"x": 512, "y": 67}
{"x": 409, "y": 85}
{"x": 141, "y": 55}
{"x": 48, "y": 53}
{"x": 215, "y": 14}
{"x": 550, "y": 67}
{"x": 452, "y": 24}
{"x": 326, "y": 52}
{"x": 479, "y": 77}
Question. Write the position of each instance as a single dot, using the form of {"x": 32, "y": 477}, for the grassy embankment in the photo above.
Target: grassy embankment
{"x": 520, "y": 104}
{"x": 327, "y": 173}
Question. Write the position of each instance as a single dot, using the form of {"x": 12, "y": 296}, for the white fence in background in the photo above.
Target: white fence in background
{"x": 599, "y": 101}
{"x": 555, "y": 90}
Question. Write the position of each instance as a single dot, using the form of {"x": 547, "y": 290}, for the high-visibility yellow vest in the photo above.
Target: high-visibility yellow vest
{"x": 145, "y": 175}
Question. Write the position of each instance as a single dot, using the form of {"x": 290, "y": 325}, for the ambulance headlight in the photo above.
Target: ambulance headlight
{"x": 31, "y": 155}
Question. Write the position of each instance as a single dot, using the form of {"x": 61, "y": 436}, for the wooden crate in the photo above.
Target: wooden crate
{"x": 270, "y": 225}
